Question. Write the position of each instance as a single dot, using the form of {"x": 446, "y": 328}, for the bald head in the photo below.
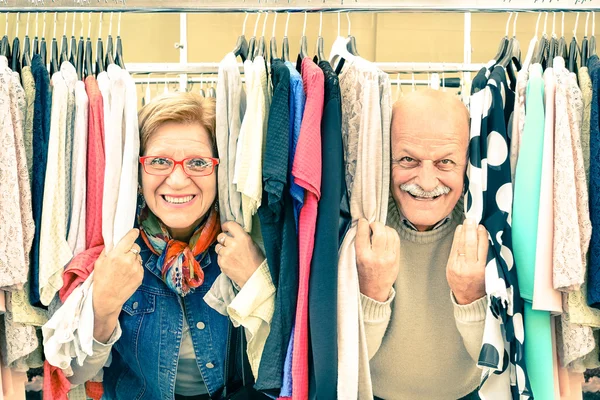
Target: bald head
{"x": 430, "y": 138}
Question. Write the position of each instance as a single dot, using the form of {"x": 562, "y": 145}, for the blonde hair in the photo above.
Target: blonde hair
{"x": 181, "y": 108}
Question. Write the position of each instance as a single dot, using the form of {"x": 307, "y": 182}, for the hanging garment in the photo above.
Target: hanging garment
{"x": 307, "y": 173}
{"x": 366, "y": 116}
{"x": 69, "y": 137}
{"x": 297, "y": 193}
{"x": 128, "y": 182}
{"x": 41, "y": 133}
{"x": 82, "y": 265}
{"x": 489, "y": 202}
{"x": 29, "y": 87}
{"x": 230, "y": 109}
{"x": 54, "y": 249}
{"x": 76, "y": 235}
{"x": 248, "y": 167}
{"x": 593, "y": 295}
{"x": 278, "y": 230}
{"x": 585, "y": 83}
{"x": 113, "y": 148}
{"x": 322, "y": 299}
{"x": 518, "y": 121}
{"x": 545, "y": 297}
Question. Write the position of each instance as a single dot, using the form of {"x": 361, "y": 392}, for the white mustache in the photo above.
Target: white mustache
{"x": 418, "y": 191}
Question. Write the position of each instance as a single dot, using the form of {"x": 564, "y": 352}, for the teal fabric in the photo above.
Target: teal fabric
{"x": 526, "y": 203}
{"x": 538, "y": 353}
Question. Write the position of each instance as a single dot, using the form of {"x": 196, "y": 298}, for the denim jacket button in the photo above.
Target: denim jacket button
{"x": 200, "y": 325}
{"x": 210, "y": 365}
{"x": 135, "y": 305}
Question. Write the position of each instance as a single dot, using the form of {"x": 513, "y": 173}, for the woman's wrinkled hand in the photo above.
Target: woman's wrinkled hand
{"x": 238, "y": 255}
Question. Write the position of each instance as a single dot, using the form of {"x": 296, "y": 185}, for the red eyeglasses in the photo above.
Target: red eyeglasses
{"x": 192, "y": 166}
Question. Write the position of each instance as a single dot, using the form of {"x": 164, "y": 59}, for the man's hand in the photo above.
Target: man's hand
{"x": 378, "y": 259}
{"x": 465, "y": 270}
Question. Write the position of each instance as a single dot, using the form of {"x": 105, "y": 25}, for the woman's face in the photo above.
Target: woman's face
{"x": 167, "y": 196}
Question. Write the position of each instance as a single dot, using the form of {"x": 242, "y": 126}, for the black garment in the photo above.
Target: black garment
{"x": 41, "y": 135}
{"x": 278, "y": 228}
{"x": 322, "y": 296}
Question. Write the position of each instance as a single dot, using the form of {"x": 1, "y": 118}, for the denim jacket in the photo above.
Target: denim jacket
{"x": 144, "y": 359}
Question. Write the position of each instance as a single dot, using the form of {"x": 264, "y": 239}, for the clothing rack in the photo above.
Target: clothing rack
{"x": 179, "y": 6}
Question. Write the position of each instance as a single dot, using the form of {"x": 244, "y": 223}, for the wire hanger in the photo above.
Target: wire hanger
{"x": 64, "y": 44}
{"x": 79, "y": 63}
{"x": 241, "y": 46}
{"x": 351, "y": 40}
{"x": 285, "y": 46}
{"x": 4, "y": 45}
{"x": 541, "y": 53}
{"x": 252, "y": 42}
{"x": 584, "y": 43}
{"x": 119, "y": 51}
{"x": 43, "y": 43}
{"x": 273, "y": 42}
{"x": 201, "y": 91}
{"x": 16, "y": 49}
{"x": 553, "y": 47}
{"x": 54, "y": 66}
{"x": 26, "y": 61}
{"x": 99, "y": 49}
{"x": 507, "y": 55}
{"x": 36, "y": 48}
{"x": 303, "y": 41}
{"x": 73, "y": 52}
{"x": 574, "y": 48}
{"x": 261, "y": 47}
{"x": 593, "y": 38}
{"x": 562, "y": 42}
{"x": 532, "y": 43}
{"x": 110, "y": 56}
{"x": 339, "y": 51}
{"x": 503, "y": 42}
{"x": 320, "y": 40}
{"x": 398, "y": 87}
{"x": 88, "y": 50}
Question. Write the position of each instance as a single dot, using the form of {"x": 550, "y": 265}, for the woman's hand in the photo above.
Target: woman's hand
{"x": 238, "y": 255}
{"x": 117, "y": 275}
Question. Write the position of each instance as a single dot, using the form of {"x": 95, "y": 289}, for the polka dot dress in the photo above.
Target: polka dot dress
{"x": 488, "y": 200}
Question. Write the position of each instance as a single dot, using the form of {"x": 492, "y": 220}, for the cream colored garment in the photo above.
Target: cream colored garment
{"x": 55, "y": 252}
{"x": 248, "y": 168}
{"x": 366, "y": 110}
{"x": 13, "y": 271}
{"x": 574, "y": 341}
{"x": 585, "y": 83}
{"x": 518, "y": 119}
{"x": 29, "y": 87}
{"x": 545, "y": 297}
{"x": 76, "y": 236}
{"x": 113, "y": 149}
{"x": 70, "y": 80}
{"x": 128, "y": 183}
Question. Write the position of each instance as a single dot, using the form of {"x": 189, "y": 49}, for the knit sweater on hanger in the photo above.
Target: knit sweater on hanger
{"x": 422, "y": 344}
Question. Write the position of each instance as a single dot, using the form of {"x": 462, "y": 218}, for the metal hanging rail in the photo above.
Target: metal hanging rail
{"x": 298, "y": 5}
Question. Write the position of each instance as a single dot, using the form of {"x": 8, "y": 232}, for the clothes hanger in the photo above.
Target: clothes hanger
{"x": 562, "y": 42}
{"x": 36, "y": 48}
{"x": 516, "y": 46}
{"x": 241, "y": 46}
{"x": 4, "y": 46}
{"x": 201, "y": 91}
{"x": 212, "y": 93}
{"x": 592, "y": 45}
{"x": 252, "y": 42}
{"x": 532, "y": 43}
{"x": 54, "y": 67}
{"x": 351, "y": 40}
{"x": 261, "y": 47}
{"x": 542, "y": 49}
{"x": 339, "y": 51}
{"x": 553, "y": 47}
{"x": 26, "y": 61}
{"x": 16, "y": 47}
{"x": 110, "y": 57}
{"x": 320, "y": 40}
{"x": 43, "y": 43}
{"x": 99, "y": 49}
{"x": 506, "y": 57}
{"x": 64, "y": 46}
{"x": 574, "y": 48}
{"x": 73, "y": 52}
{"x": 79, "y": 63}
{"x": 584, "y": 43}
{"x": 398, "y": 87}
{"x": 88, "y": 70}
{"x": 119, "y": 50}
{"x": 503, "y": 46}
{"x": 285, "y": 46}
{"x": 303, "y": 42}
{"x": 148, "y": 93}
{"x": 273, "y": 42}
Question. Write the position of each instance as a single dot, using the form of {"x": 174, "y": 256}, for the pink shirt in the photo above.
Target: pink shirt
{"x": 307, "y": 174}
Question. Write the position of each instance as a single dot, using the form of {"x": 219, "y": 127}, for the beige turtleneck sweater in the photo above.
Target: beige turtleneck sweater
{"x": 421, "y": 343}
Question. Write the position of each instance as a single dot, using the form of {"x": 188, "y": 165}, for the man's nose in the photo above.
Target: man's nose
{"x": 427, "y": 176}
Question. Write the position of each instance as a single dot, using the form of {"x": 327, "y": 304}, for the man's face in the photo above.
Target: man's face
{"x": 430, "y": 133}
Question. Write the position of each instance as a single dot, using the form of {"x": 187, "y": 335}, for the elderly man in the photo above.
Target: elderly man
{"x": 422, "y": 276}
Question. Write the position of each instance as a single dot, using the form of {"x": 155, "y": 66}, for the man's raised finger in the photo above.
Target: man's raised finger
{"x": 470, "y": 241}
{"x": 363, "y": 236}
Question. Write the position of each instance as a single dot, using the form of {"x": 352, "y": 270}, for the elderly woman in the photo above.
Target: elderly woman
{"x": 149, "y": 311}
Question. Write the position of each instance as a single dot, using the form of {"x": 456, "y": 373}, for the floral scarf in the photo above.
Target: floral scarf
{"x": 180, "y": 270}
